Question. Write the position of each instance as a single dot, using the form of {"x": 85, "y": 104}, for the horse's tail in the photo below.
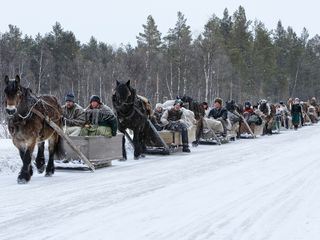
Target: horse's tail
{"x": 59, "y": 150}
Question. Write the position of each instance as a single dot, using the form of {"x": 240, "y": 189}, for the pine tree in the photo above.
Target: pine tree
{"x": 178, "y": 45}
{"x": 150, "y": 41}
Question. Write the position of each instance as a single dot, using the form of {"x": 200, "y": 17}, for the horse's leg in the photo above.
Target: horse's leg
{"x": 40, "y": 161}
{"x": 26, "y": 171}
{"x": 136, "y": 143}
{"x": 199, "y": 130}
{"x": 142, "y": 137}
{"x": 53, "y": 141}
{"x": 124, "y": 151}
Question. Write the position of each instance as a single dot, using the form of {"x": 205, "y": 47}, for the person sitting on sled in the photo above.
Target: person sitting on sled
{"x": 100, "y": 120}
{"x": 174, "y": 119}
{"x": 220, "y": 113}
{"x": 73, "y": 116}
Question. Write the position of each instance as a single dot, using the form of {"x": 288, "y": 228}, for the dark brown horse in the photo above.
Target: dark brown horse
{"x": 27, "y": 128}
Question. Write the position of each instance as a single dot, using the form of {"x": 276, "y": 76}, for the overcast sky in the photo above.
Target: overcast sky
{"x": 120, "y": 21}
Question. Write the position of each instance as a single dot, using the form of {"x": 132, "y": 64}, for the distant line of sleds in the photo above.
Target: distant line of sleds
{"x": 92, "y": 137}
{"x": 175, "y": 125}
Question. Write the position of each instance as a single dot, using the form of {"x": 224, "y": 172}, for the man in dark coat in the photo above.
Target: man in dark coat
{"x": 219, "y": 113}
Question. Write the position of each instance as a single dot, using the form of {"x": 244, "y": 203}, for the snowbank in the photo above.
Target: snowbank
{"x": 10, "y": 161}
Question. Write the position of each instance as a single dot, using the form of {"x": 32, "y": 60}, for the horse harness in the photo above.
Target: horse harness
{"x": 125, "y": 116}
{"x": 32, "y": 110}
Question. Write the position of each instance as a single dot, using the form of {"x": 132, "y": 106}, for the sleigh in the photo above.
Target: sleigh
{"x": 99, "y": 150}
{"x": 209, "y": 137}
{"x": 173, "y": 139}
{"x": 256, "y": 129}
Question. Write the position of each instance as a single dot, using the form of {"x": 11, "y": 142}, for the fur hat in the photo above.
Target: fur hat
{"x": 69, "y": 97}
{"x": 95, "y": 98}
{"x": 218, "y": 100}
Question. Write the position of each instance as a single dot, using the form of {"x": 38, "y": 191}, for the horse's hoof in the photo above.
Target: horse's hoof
{"x": 142, "y": 155}
{"x": 136, "y": 158}
{"x": 41, "y": 169}
{"x": 22, "y": 181}
{"x": 48, "y": 174}
{"x": 195, "y": 144}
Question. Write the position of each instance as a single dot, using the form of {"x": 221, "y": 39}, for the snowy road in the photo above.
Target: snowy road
{"x": 267, "y": 188}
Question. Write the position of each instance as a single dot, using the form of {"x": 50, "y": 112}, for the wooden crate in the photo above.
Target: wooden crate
{"x": 98, "y": 149}
{"x": 174, "y": 138}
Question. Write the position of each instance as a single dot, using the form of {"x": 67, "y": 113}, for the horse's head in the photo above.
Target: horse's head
{"x": 13, "y": 94}
{"x": 231, "y": 105}
{"x": 123, "y": 91}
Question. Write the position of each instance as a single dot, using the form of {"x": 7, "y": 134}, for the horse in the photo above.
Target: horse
{"x": 28, "y": 129}
{"x": 132, "y": 113}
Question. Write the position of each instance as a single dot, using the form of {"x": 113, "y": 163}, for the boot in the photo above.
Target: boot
{"x": 185, "y": 148}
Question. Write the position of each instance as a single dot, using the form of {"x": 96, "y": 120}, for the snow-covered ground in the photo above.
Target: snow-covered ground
{"x": 265, "y": 188}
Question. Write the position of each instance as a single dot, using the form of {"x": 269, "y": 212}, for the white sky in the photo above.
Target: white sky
{"x": 120, "y": 21}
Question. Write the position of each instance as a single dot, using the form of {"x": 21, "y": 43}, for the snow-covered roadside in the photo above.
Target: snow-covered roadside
{"x": 10, "y": 161}
{"x": 265, "y": 188}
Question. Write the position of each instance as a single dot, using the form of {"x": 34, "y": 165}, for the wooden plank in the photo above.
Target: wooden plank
{"x": 173, "y": 137}
{"x": 100, "y": 147}
{"x": 97, "y": 148}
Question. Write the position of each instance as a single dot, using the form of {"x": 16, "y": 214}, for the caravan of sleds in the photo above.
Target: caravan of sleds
{"x": 95, "y": 136}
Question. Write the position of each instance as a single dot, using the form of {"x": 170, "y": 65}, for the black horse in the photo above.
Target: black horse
{"x": 133, "y": 113}
{"x": 27, "y": 128}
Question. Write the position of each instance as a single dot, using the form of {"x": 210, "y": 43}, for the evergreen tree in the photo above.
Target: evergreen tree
{"x": 150, "y": 41}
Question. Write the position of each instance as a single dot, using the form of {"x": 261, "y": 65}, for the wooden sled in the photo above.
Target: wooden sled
{"x": 174, "y": 140}
{"x": 154, "y": 143}
{"x": 99, "y": 150}
{"x": 256, "y": 129}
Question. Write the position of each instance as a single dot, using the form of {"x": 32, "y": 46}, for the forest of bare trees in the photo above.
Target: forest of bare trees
{"x": 233, "y": 58}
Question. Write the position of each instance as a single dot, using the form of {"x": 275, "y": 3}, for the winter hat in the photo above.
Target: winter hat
{"x": 95, "y": 98}
{"x": 218, "y": 100}
{"x": 178, "y": 101}
{"x": 69, "y": 97}
{"x": 159, "y": 105}
{"x": 247, "y": 104}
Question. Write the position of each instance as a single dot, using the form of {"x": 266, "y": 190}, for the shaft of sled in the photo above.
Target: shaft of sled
{"x": 216, "y": 137}
{"x": 157, "y": 135}
{"x": 129, "y": 138}
{"x": 246, "y": 123}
